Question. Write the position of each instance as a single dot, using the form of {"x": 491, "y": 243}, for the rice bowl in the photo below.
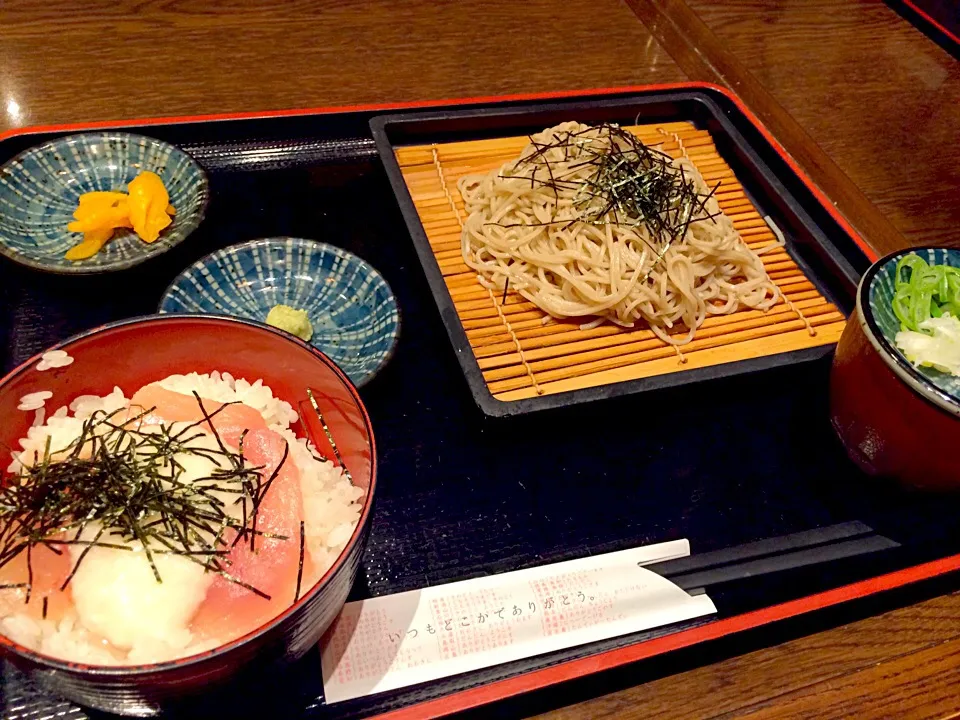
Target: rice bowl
{"x": 133, "y": 673}
{"x": 87, "y": 631}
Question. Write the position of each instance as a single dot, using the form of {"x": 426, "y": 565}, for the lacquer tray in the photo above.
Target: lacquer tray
{"x": 938, "y": 19}
{"x": 514, "y": 362}
{"x": 746, "y": 467}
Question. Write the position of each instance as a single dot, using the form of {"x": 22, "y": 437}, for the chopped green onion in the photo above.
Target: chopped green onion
{"x": 924, "y": 291}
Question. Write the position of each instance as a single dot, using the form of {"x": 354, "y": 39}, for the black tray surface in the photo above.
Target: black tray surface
{"x": 747, "y": 468}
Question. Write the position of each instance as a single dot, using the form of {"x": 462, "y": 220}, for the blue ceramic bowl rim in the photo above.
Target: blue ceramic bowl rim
{"x": 177, "y": 664}
{"x": 891, "y": 356}
{"x": 266, "y": 242}
{"x": 123, "y": 263}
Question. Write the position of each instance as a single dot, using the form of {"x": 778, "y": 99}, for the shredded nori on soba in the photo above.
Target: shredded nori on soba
{"x": 127, "y": 481}
{"x": 635, "y": 183}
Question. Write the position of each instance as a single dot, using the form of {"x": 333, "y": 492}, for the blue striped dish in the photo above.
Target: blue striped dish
{"x": 40, "y": 189}
{"x": 352, "y": 309}
{"x": 882, "y": 326}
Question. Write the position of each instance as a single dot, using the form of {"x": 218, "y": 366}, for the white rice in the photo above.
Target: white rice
{"x": 331, "y": 506}
{"x": 34, "y": 400}
{"x": 54, "y": 359}
{"x": 223, "y": 388}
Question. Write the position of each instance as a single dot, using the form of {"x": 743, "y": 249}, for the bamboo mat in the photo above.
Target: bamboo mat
{"x": 521, "y": 357}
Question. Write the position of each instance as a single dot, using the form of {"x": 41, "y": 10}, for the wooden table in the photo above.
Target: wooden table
{"x": 864, "y": 102}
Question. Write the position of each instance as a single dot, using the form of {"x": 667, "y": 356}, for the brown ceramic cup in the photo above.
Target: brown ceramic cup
{"x": 894, "y": 419}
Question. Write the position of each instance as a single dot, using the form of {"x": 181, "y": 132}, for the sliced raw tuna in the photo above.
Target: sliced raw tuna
{"x": 170, "y": 407}
{"x": 231, "y": 610}
{"x": 50, "y": 570}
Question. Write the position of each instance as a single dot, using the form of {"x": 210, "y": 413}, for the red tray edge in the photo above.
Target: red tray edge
{"x": 930, "y": 19}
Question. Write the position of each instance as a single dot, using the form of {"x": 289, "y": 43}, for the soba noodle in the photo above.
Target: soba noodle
{"x": 535, "y": 226}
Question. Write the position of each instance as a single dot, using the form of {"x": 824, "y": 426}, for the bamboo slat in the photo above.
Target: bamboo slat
{"x": 521, "y": 355}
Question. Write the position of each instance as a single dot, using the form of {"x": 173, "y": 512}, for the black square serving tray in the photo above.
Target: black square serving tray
{"x": 818, "y": 240}
{"x": 745, "y": 467}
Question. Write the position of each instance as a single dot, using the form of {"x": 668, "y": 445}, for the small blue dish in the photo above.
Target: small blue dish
{"x": 941, "y": 388}
{"x": 40, "y": 189}
{"x": 352, "y": 309}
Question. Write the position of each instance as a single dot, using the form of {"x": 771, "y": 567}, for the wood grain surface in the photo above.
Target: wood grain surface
{"x": 865, "y": 87}
{"x": 63, "y": 61}
{"x": 865, "y": 103}
{"x": 902, "y": 663}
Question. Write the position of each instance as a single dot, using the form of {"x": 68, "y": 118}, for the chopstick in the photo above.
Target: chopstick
{"x": 788, "y": 552}
{"x": 255, "y": 155}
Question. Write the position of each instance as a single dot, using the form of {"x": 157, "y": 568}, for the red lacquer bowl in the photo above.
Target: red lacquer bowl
{"x": 894, "y": 421}
{"x": 132, "y": 353}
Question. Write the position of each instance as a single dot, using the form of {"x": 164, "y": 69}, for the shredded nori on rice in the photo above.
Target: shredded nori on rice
{"x": 127, "y": 481}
